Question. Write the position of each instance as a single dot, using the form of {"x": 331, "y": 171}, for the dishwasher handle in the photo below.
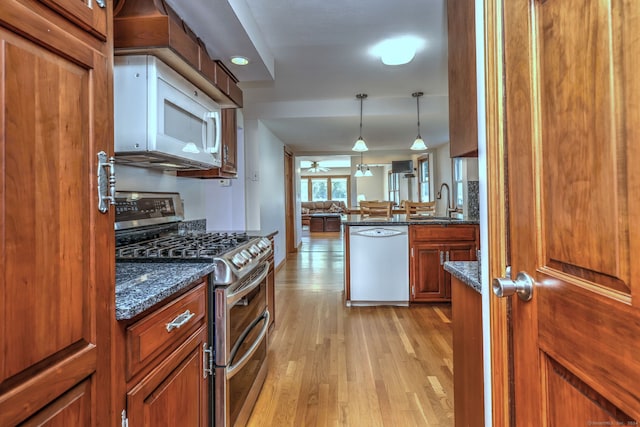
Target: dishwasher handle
{"x": 378, "y": 232}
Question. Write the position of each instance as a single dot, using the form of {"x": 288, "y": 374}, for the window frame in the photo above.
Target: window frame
{"x": 309, "y": 179}
{"x": 393, "y": 190}
{"x": 421, "y": 183}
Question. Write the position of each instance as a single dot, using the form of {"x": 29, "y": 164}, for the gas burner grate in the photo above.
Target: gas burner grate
{"x": 197, "y": 247}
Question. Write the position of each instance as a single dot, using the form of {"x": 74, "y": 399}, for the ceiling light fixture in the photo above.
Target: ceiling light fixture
{"x": 418, "y": 144}
{"x": 397, "y": 51}
{"x": 362, "y": 169}
{"x": 239, "y": 60}
{"x": 315, "y": 167}
{"x": 360, "y": 145}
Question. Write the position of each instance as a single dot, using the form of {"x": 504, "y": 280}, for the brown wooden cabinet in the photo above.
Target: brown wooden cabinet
{"x": 152, "y": 27}
{"x": 56, "y": 253}
{"x": 164, "y": 364}
{"x": 468, "y": 376}
{"x": 431, "y": 246}
{"x": 463, "y": 112}
{"x": 229, "y": 167}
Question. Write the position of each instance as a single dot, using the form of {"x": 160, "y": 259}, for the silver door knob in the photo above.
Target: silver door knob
{"x": 523, "y": 286}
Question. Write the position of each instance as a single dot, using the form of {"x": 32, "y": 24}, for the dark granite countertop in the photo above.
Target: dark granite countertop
{"x": 466, "y": 272}
{"x": 140, "y": 285}
{"x": 401, "y": 219}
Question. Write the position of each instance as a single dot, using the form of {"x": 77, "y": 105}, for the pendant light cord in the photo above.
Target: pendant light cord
{"x": 417, "y": 96}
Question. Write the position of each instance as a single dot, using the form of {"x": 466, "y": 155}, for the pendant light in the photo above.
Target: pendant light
{"x": 360, "y": 145}
{"x": 362, "y": 169}
{"x": 418, "y": 144}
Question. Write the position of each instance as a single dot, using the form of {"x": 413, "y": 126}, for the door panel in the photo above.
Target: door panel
{"x": 571, "y": 103}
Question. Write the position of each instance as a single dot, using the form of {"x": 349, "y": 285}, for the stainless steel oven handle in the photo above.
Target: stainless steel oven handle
{"x": 233, "y": 369}
{"x": 234, "y": 297}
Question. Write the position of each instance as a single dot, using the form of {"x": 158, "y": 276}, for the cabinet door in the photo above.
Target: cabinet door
{"x": 229, "y": 140}
{"x": 427, "y": 273}
{"x": 175, "y": 393}
{"x": 90, "y": 15}
{"x": 56, "y": 249}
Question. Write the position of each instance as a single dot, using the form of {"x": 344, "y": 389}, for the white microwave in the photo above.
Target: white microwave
{"x": 161, "y": 120}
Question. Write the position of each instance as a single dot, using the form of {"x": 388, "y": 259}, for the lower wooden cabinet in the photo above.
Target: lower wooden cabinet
{"x": 175, "y": 392}
{"x": 164, "y": 365}
{"x": 431, "y": 246}
{"x": 468, "y": 377}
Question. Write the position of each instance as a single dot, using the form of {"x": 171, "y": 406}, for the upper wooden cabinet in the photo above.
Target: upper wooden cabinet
{"x": 463, "y": 111}
{"x": 229, "y": 168}
{"x": 56, "y": 248}
{"x": 90, "y": 15}
{"x": 152, "y": 27}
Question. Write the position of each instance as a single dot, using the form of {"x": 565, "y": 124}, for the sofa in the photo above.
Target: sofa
{"x": 325, "y": 206}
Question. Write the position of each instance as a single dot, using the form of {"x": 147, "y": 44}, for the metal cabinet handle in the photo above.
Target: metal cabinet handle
{"x": 179, "y": 321}
{"x": 522, "y": 286}
{"x": 207, "y": 367}
{"x": 441, "y": 258}
{"x": 106, "y": 184}
{"x": 101, "y": 3}
{"x": 447, "y": 256}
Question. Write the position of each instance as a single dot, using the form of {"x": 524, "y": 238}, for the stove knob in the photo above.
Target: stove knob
{"x": 246, "y": 254}
{"x": 238, "y": 260}
{"x": 255, "y": 250}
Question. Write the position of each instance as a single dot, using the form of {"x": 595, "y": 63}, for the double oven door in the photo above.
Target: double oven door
{"x": 241, "y": 320}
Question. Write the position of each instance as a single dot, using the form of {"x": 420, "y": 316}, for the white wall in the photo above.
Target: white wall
{"x": 265, "y": 199}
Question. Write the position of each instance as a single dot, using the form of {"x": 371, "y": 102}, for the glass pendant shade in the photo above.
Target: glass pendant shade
{"x": 360, "y": 145}
{"x": 368, "y": 172}
{"x": 418, "y": 144}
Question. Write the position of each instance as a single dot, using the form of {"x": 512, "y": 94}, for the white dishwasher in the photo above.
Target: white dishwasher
{"x": 379, "y": 265}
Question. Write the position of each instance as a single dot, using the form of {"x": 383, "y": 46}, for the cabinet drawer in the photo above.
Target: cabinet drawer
{"x": 164, "y": 328}
{"x": 439, "y": 232}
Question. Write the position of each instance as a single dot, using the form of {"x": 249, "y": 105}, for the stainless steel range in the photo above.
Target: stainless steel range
{"x": 149, "y": 228}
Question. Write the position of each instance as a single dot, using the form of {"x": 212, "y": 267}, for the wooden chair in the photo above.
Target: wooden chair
{"x": 369, "y": 208}
{"x": 420, "y": 208}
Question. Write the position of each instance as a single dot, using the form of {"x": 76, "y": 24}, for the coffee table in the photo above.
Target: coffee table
{"x": 325, "y": 222}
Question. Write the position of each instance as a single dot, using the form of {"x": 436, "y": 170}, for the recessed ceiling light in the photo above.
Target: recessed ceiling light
{"x": 398, "y": 50}
{"x": 239, "y": 60}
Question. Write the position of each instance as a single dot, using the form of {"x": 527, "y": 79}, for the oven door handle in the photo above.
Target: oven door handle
{"x": 240, "y": 293}
{"x": 234, "y": 368}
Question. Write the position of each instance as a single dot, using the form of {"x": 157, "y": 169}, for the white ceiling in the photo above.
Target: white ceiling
{"x": 309, "y": 58}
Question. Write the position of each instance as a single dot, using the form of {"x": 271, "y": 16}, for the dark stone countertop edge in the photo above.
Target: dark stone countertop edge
{"x": 139, "y": 286}
{"x": 401, "y": 219}
{"x": 466, "y": 272}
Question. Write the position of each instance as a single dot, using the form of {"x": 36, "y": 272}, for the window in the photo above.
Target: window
{"x": 424, "y": 184}
{"x": 458, "y": 184}
{"x": 325, "y": 188}
{"x": 394, "y": 188}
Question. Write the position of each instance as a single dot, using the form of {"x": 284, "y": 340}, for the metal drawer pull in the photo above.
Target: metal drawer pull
{"x": 101, "y": 3}
{"x": 180, "y": 320}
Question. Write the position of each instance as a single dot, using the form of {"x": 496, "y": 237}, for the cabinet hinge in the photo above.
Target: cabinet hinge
{"x": 207, "y": 360}
{"x": 125, "y": 420}
{"x": 411, "y": 252}
{"x": 413, "y": 290}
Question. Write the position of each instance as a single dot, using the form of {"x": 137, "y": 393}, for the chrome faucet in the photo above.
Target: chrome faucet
{"x": 449, "y": 209}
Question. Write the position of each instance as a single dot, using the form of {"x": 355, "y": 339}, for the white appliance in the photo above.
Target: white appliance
{"x": 161, "y": 119}
{"x": 379, "y": 265}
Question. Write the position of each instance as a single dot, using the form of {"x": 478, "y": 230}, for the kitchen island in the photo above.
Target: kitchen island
{"x": 417, "y": 268}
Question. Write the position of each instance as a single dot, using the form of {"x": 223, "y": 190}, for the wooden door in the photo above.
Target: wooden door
{"x": 573, "y": 148}
{"x": 56, "y": 249}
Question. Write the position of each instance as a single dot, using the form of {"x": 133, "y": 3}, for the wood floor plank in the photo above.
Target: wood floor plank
{"x": 331, "y": 365}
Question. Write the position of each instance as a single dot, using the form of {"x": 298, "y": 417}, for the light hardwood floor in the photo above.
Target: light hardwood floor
{"x": 362, "y": 366}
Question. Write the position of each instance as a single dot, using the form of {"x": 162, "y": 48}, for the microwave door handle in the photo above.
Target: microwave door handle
{"x": 210, "y": 132}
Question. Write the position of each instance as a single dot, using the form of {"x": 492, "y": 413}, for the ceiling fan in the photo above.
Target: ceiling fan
{"x": 315, "y": 167}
